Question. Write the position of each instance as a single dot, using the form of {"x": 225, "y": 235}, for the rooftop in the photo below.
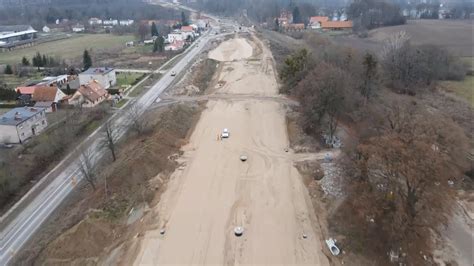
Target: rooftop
{"x": 97, "y": 70}
{"x": 336, "y": 24}
{"x": 19, "y": 115}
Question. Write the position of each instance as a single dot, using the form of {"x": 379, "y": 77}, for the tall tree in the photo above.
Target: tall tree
{"x": 277, "y": 24}
{"x": 142, "y": 31}
{"x": 154, "y": 30}
{"x": 369, "y": 76}
{"x": 184, "y": 20}
{"x": 297, "y": 15}
{"x": 160, "y": 43}
{"x": 25, "y": 61}
{"x": 8, "y": 70}
{"x": 87, "y": 167}
{"x": 86, "y": 60}
{"x": 111, "y": 137}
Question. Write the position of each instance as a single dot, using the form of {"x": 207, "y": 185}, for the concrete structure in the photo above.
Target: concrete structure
{"x": 22, "y": 123}
{"x": 89, "y": 95}
{"x": 110, "y": 22}
{"x": 105, "y": 76}
{"x": 16, "y": 36}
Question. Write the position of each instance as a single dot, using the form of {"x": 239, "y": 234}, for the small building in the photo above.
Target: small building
{"x": 95, "y": 21}
{"x": 48, "y": 98}
{"x": 46, "y": 29}
{"x": 22, "y": 123}
{"x": 89, "y": 95}
{"x": 175, "y": 46}
{"x": 187, "y": 32}
{"x": 26, "y": 90}
{"x": 78, "y": 28}
{"x": 105, "y": 76}
{"x": 336, "y": 25}
{"x": 175, "y": 36}
{"x": 126, "y": 22}
{"x": 294, "y": 27}
{"x": 315, "y": 22}
{"x": 110, "y": 22}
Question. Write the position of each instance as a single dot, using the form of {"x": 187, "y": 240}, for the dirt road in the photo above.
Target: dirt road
{"x": 215, "y": 192}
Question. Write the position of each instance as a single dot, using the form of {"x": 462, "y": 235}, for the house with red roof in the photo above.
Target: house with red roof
{"x": 89, "y": 95}
{"x": 315, "y": 22}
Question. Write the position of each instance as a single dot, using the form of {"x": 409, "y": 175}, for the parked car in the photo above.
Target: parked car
{"x": 173, "y": 73}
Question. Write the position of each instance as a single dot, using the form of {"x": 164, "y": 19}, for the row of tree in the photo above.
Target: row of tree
{"x": 399, "y": 165}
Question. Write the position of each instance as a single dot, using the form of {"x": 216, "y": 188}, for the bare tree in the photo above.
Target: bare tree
{"x": 110, "y": 138}
{"x": 136, "y": 119}
{"x": 87, "y": 167}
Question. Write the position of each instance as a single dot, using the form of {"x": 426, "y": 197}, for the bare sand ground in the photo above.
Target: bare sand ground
{"x": 214, "y": 191}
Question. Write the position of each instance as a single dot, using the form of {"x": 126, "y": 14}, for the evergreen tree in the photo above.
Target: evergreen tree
{"x": 25, "y": 61}
{"x": 38, "y": 60}
{"x": 86, "y": 60}
{"x": 297, "y": 15}
{"x": 184, "y": 20}
{"x": 8, "y": 70}
{"x": 161, "y": 44}
{"x": 154, "y": 30}
{"x": 277, "y": 24}
{"x": 155, "y": 46}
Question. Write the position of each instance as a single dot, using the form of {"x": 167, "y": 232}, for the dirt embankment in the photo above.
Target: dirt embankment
{"x": 91, "y": 223}
{"x": 214, "y": 191}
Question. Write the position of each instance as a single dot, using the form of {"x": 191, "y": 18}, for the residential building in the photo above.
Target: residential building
{"x": 315, "y": 22}
{"x": 174, "y": 46}
{"x": 89, "y": 95}
{"x": 26, "y": 90}
{"x": 294, "y": 27}
{"x": 16, "y": 36}
{"x": 78, "y": 28}
{"x": 187, "y": 32}
{"x": 110, "y": 22}
{"x": 48, "y": 98}
{"x": 336, "y": 25}
{"x": 105, "y": 76}
{"x": 175, "y": 36}
{"x": 126, "y": 22}
{"x": 95, "y": 21}
{"x": 22, "y": 123}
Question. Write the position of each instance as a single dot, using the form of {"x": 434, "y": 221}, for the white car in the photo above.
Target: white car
{"x": 173, "y": 73}
{"x": 225, "y": 133}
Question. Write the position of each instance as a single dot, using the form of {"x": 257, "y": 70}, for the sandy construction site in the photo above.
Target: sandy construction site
{"x": 214, "y": 191}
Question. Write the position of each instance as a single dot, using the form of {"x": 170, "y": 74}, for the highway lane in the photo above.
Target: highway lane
{"x": 26, "y": 223}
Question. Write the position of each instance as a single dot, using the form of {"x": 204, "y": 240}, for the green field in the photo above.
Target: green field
{"x": 68, "y": 48}
{"x": 464, "y": 89}
{"x": 126, "y": 79}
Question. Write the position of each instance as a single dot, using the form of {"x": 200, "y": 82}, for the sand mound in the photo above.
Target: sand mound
{"x": 231, "y": 50}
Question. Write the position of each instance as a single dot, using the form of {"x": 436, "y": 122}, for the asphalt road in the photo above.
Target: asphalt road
{"x": 22, "y": 227}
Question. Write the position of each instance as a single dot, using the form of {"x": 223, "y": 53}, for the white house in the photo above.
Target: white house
{"x": 187, "y": 32}
{"x": 46, "y": 29}
{"x": 78, "y": 28}
{"x": 126, "y": 22}
{"x": 111, "y": 22}
{"x": 22, "y": 123}
{"x": 175, "y": 36}
{"x": 105, "y": 76}
{"x": 95, "y": 21}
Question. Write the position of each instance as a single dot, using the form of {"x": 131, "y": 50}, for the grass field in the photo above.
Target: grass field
{"x": 125, "y": 79}
{"x": 464, "y": 89}
{"x": 69, "y": 48}
{"x": 14, "y": 81}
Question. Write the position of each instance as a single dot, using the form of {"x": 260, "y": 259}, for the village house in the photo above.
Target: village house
{"x": 110, "y": 22}
{"x": 78, "y": 28}
{"x": 175, "y": 36}
{"x": 126, "y": 22}
{"x": 89, "y": 95}
{"x": 174, "y": 46}
{"x": 294, "y": 27}
{"x": 105, "y": 76}
{"x": 95, "y": 21}
{"x": 22, "y": 123}
{"x": 336, "y": 25}
{"x": 315, "y": 22}
{"x": 48, "y": 98}
{"x": 187, "y": 32}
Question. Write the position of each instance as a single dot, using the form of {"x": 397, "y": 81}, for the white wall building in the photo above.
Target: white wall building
{"x": 126, "y": 22}
{"x": 175, "y": 36}
{"x": 95, "y": 21}
{"x": 105, "y": 76}
{"x": 22, "y": 123}
{"x": 111, "y": 22}
{"x": 78, "y": 28}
